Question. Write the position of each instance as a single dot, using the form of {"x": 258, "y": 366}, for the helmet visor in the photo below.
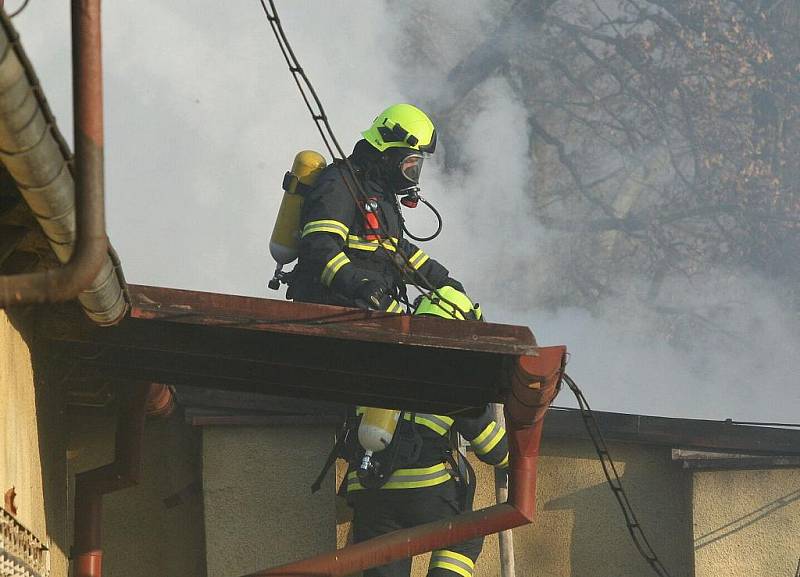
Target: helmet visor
{"x": 411, "y": 167}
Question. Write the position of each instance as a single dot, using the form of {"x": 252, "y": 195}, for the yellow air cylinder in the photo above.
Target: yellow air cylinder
{"x": 375, "y": 432}
{"x": 286, "y": 233}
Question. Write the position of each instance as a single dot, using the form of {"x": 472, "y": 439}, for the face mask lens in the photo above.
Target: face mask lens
{"x": 411, "y": 167}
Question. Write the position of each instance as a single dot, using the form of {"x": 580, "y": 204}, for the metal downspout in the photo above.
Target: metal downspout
{"x": 123, "y": 472}
{"x": 535, "y": 383}
{"x": 38, "y": 160}
{"x": 505, "y": 538}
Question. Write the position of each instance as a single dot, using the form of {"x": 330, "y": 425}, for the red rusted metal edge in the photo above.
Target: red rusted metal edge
{"x": 256, "y": 314}
{"x": 524, "y": 416}
{"x": 160, "y": 401}
{"x": 91, "y": 245}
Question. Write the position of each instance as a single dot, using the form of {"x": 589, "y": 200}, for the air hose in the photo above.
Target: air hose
{"x": 438, "y": 227}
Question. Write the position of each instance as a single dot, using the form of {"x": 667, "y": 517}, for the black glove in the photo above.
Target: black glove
{"x": 372, "y": 295}
{"x": 451, "y": 282}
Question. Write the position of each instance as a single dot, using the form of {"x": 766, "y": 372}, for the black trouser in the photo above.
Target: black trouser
{"x": 385, "y": 510}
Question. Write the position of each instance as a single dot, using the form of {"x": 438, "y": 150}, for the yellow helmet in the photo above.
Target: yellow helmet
{"x": 402, "y": 126}
{"x": 440, "y": 305}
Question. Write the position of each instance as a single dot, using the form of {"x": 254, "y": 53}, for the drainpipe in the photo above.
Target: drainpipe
{"x": 535, "y": 382}
{"x": 91, "y": 246}
{"x": 505, "y": 538}
{"x": 123, "y": 472}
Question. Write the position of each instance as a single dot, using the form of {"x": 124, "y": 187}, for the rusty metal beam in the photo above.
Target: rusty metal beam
{"x": 298, "y": 350}
{"x": 278, "y": 316}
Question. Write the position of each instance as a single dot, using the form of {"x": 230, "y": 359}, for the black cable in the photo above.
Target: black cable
{"x": 326, "y": 132}
{"x": 610, "y": 471}
{"x": 19, "y": 10}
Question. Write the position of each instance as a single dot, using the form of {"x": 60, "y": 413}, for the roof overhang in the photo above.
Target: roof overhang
{"x": 298, "y": 350}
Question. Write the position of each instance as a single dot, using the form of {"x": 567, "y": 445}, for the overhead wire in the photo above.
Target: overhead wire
{"x": 19, "y": 10}
{"x": 615, "y": 483}
{"x": 320, "y": 119}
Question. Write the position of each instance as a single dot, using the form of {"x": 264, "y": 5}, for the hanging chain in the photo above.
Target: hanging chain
{"x": 615, "y": 483}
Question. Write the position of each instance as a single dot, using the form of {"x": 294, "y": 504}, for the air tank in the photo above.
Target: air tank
{"x": 375, "y": 432}
{"x": 306, "y": 168}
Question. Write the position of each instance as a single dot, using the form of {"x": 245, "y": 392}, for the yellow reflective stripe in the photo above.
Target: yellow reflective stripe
{"x": 331, "y": 226}
{"x": 504, "y": 463}
{"x": 488, "y": 439}
{"x": 437, "y": 423}
{"x": 491, "y": 444}
{"x": 360, "y": 243}
{"x": 450, "y": 567}
{"x": 389, "y": 245}
{"x": 418, "y": 259}
{"x": 333, "y": 267}
{"x": 484, "y": 433}
{"x": 395, "y": 307}
{"x": 407, "y": 478}
{"x": 452, "y": 561}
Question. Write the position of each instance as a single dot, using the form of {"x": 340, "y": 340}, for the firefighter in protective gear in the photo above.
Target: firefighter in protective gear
{"x": 352, "y": 251}
{"x": 424, "y": 490}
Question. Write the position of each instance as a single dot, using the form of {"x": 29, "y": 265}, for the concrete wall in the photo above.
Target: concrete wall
{"x": 259, "y": 510}
{"x": 747, "y": 523}
{"x": 32, "y": 438}
{"x": 142, "y": 535}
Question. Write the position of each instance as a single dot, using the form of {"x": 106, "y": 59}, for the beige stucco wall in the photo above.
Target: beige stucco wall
{"x": 32, "y": 439}
{"x": 747, "y": 523}
{"x": 579, "y": 528}
{"x": 141, "y": 535}
{"x": 259, "y": 510}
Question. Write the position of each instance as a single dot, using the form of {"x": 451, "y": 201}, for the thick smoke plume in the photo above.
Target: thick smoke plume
{"x": 203, "y": 119}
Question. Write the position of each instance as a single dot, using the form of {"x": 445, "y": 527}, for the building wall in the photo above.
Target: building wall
{"x": 747, "y": 523}
{"x": 32, "y": 445}
{"x": 259, "y": 510}
{"x": 143, "y": 535}
{"x": 580, "y": 529}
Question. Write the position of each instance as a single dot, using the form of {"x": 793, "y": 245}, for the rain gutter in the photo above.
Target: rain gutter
{"x": 535, "y": 382}
{"x": 67, "y": 200}
{"x": 122, "y": 473}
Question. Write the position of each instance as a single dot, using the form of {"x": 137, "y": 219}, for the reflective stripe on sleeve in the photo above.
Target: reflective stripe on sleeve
{"x": 333, "y": 267}
{"x": 407, "y": 478}
{"x": 452, "y": 561}
{"x": 488, "y": 438}
{"x": 437, "y": 423}
{"x": 418, "y": 259}
{"x": 331, "y": 226}
{"x": 395, "y": 307}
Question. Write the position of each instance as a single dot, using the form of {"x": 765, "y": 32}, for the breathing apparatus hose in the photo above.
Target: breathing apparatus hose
{"x": 438, "y": 227}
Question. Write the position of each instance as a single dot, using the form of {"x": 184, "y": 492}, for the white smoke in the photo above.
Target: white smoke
{"x": 203, "y": 119}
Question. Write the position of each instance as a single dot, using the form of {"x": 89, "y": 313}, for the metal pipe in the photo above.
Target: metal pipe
{"x": 534, "y": 384}
{"x": 123, "y": 472}
{"x": 505, "y": 538}
{"x": 91, "y": 244}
